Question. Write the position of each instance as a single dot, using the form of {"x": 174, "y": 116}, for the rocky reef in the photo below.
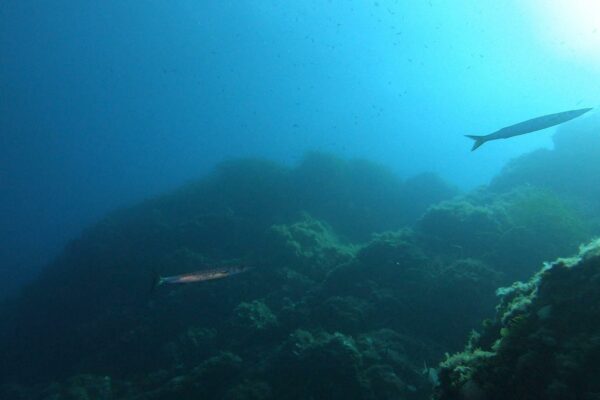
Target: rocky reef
{"x": 544, "y": 342}
{"x": 360, "y": 283}
{"x": 516, "y": 230}
{"x": 569, "y": 169}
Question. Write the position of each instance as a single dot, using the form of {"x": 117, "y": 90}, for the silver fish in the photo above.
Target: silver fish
{"x": 530, "y": 125}
{"x": 203, "y": 275}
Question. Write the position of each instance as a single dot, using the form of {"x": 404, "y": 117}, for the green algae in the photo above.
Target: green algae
{"x": 346, "y": 299}
{"x": 543, "y": 343}
{"x": 516, "y": 231}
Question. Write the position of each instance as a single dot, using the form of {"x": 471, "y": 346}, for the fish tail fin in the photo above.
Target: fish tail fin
{"x": 479, "y": 140}
{"x": 156, "y": 282}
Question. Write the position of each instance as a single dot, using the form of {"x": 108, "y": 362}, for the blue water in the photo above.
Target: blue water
{"x": 106, "y": 103}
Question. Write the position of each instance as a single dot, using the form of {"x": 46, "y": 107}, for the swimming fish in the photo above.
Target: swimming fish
{"x": 530, "y": 125}
{"x": 203, "y": 275}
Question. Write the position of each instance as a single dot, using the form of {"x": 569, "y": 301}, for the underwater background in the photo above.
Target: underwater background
{"x": 318, "y": 147}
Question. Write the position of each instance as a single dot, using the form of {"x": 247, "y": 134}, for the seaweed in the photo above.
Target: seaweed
{"x": 358, "y": 283}
{"x": 543, "y": 343}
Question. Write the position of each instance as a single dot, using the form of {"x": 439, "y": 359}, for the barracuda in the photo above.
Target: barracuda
{"x": 201, "y": 276}
{"x": 530, "y": 125}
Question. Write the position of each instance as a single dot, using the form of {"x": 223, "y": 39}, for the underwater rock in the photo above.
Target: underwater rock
{"x": 390, "y": 271}
{"x": 191, "y": 347}
{"x": 394, "y": 284}
{"x": 345, "y": 314}
{"x": 541, "y": 227}
{"x": 308, "y": 246}
{"x": 320, "y": 365}
{"x": 254, "y": 316}
{"x": 514, "y": 232}
{"x": 375, "y": 365}
{"x": 252, "y": 323}
{"x": 463, "y": 293}
{"x": 398, "y": 250}
{"x": 462, "y": 228}
{"x": 92, "y": 301}
{"x": 569, "y": 169}
{"x": 430, "y": 189}
{"x": 543, "y": 343}
{"x": 210, "y": 379}
{"x": 88, "y": 387}
{"x": 390, "y": 260}
{"x": 403, "y": 352}
{"x": 385, "y": 384}
{"x": 359, "y": 198}
{"x": 253, "y": 190}
{"x": 79, "y": 387}
{"x": 249, "y": 390}
{"x": 15, "y": 392}
{"x": 320, "y": 315}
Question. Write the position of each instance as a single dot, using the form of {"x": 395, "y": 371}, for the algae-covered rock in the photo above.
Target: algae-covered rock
{"x": 210, "y": 379}
{"x": 309, "y": 246}
{"x": 343, "y": 300}
{"x": 253, "y": 323}
{"x": 544, "y": 342}
{"x": 514, "y": 232}
{"x": 254, "y": 316}
{"x": 570, "y": 168}
{"x": 249, "y": 390}
{"x": 390, "y": 271}
{"x": 391, "y": 249}
{"x": 375, "y": 365}
{"x": 343, "y": 313}
{"x": 192, "y": 346}
{"x": 320, "y": 365}
{"x": 395, "y": 284}
{"x": 390, "y": 260}
{"x": 359, "y": 198}
{"x": 88, "y": 387}
{"x": 462, "y": 227}
{"x": 79, "y": 387}
{"x": 541, "y": 227}
{"x": 15, "y": 392}
{"x": 95, "y": 302}
{"x": 462, "y": 294}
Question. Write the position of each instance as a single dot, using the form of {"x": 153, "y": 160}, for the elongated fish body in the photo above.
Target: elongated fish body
{"x": 200, "y": 276}
{"x": 531, "y": 125}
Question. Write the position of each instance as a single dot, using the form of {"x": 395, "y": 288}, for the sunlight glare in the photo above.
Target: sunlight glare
{"x": 570, "y": 27}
